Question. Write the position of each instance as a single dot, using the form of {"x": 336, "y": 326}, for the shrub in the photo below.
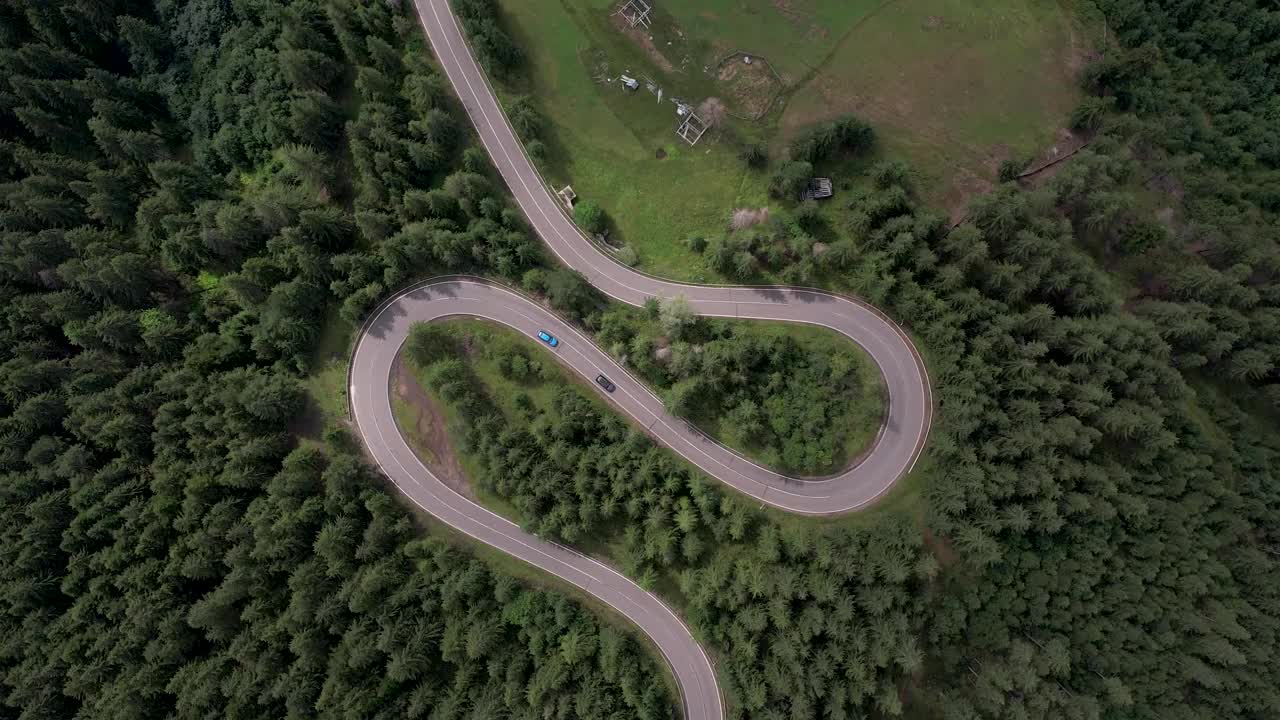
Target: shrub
{"x": 525, "y": 118}
{"x": 847, "y": 134}
{"x": 589, "y": 216}
{"x": 754, "y": 155}
{"x": 677, "y": 317}
{"x": 570, "y": 293}
{"x": 791, "y": 179}
{"x": 1011, "y": 168}
{"x": 474, "y": 160}
{"x": 536, "y": 149}
{"x": 889, "y": 173}
{"x": 808, "y": 215}
{"x": 534, "y": 280}
{"x": 627, "y": 256}
{"x": 1141, "y": 235}
{"x": 1089, "y": 114}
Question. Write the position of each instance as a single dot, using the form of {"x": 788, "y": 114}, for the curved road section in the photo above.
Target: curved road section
{"x": 893, "y": 455}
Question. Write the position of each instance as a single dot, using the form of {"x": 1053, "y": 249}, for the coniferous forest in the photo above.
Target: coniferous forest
{"x": 186, "y": 187}
{"x": 190, "y": 190}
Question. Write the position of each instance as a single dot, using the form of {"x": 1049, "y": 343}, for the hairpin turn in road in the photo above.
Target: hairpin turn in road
{"x": 894, "y": 453}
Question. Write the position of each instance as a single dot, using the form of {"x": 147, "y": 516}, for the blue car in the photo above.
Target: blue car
{"x": 548, "y": 338}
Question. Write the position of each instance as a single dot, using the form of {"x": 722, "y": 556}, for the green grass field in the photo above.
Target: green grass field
{"x": 327, "y": 382}
{"x": 953, "y": 86}
{"x": 796, "y": 36}
{"x": 606, "y": 141}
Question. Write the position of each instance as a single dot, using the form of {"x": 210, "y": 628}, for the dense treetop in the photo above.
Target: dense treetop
{"x": 186, "y": 187}
{"x": 1184, "y": 195}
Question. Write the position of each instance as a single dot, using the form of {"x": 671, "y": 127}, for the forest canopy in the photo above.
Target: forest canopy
{"x": 190, "y": 192}
{"x": 189, "y": 189}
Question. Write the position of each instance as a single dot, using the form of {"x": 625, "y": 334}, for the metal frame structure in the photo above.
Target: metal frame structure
{"x": 693, "y": 128}
{"x": 636, "y": 13}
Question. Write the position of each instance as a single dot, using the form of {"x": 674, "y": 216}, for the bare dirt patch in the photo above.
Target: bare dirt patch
{"x": 429, "y": 437}
{"x": 712, "y": 111}
{"x": 641, "y": 37}
{"x": 744, "y": 218}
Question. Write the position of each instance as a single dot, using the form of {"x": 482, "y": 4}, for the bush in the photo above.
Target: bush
{"x": 696, "y": 243}
{"x": 676, "y": 316}
{"x": 571, "y": 294}
{"x": 627, "y": 256}
{"x": 536, "y": 149}
{"x": 754, "y": 155}
{"x": 847, "y": 134}
{"x": 1011, "y": 168}
{"x": 475, "y": 160}
{"x": 808, "y": 215}
{"x": 534, "y": 280}
{"x": 589, "y": 216}
{"x": 791, "y": 179}
{"x": 430, "y": 343}
{"x": 889, "y": 173}
{"x": 1141, "y": 235}
{"x": 525, "y": 118}
{"x": 1089, "y": 114}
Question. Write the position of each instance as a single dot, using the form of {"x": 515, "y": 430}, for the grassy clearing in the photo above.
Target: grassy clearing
{"x": 412, "y": 429}
{"x": 953, "y": 86}
{"x": 409, "y": 423}
{"x": 606, "y": 141}
{"x": 795, "y": 36}
{"x": 327, "y": 382}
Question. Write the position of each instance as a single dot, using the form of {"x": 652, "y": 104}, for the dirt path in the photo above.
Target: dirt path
{"x": 641, "y": 37}
{"x": 429, "y": 437}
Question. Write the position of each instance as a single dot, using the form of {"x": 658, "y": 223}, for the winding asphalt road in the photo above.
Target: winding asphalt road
{"x": 894, "y": 453}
